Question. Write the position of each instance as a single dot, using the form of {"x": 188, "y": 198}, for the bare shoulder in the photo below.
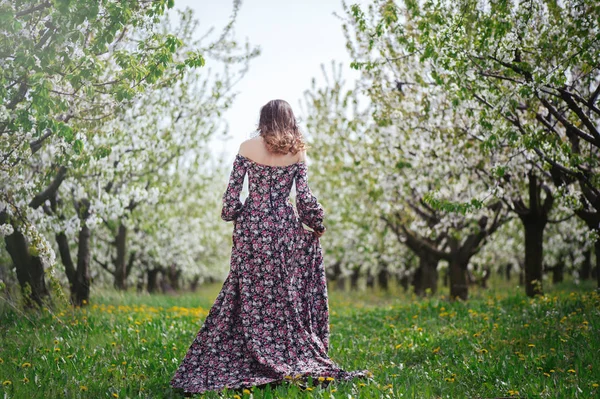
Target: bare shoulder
{"x": 302, "y": 156}
{"x": 248, "y": 146}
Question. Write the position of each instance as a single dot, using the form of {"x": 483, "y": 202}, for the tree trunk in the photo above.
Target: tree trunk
{"x": 558, "y": 273}
{"x": 81, "y": 289}
{"x": 174, "y": 275}
{"x": 383, "y": 278}
{"x": 426, "y": 276}
{"x": 194, "y": 283}
{"x": 534, "y": 257}
{"x": 509, "y": 267}
{"x": 459, "y": 288}
{"x": 153, "y": 280}
{"x": 597, "y": 246}
{"x": 403, "y": 281}
{"x": 120, "y": 265}
{"x": 334, "y": 274}
{"x": 354, "y": 278}
{"x": 65, "y": 256}
{"x": 487, "y": 272}
{"x": 370, "y": 280}
{"x": 586, "y": 267}
{"x": 30, "y": 270}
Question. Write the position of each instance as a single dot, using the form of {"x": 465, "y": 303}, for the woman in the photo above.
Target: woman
{"x": 270, "y": 322}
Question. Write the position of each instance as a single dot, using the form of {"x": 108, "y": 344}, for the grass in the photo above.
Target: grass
{"x": 498, "y": 344}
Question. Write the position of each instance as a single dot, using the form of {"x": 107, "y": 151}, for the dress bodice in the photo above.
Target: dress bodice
{"x": 269, "y": 189}
{"x": 269, "y": 184}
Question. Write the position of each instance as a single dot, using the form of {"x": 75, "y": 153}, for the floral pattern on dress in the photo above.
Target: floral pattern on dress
{"x": 271, "y": 318}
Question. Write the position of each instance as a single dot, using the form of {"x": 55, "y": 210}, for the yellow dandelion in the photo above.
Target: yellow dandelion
{"x": 329, "y": 379}
{"x": 144, "y": 340}
{"x": 571, "y": 371}
{"x": 56, "y": 349}
{"x": 333, "y": 390}
{"x": 7, "y": 383}
{"x": 362, "y": 384}
{"x": 237, "y": 397}
{"x": 55, "y": 342}
{"x": 123, "y": 363}
{"x": 552, "y": 371}
{"x": 595, "y": 385}
{"x": 308, "y": 389}
{"x": 547, "y": 375}
{"x": 288, "y": 377}
{"x": 398, "y": 346}
{"x": 436, "y": 350}
{"x": 531, "y": 345}
{"x": 113, "y": 343}
{"x": 25, "y": 380}
{"x": 1, "y": 360}
{"x": 246, "y": 392}
{"x": 26, "y": 364}
{"x": 321, "y": 379}
{"x": 115, "y": 395}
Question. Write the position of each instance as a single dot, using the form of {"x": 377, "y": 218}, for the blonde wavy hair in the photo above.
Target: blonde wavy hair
{"x": 279, "y": 128}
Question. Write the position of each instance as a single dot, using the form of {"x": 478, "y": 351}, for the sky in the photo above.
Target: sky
{"x": 295, "y": 38}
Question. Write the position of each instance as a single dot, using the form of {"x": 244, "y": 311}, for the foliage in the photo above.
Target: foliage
{"x": 526, "y": 73}
{"x": 105, "y": 108}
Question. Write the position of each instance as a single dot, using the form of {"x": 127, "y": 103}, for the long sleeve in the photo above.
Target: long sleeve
{"x": 309, "y": 209}
{"x": 232, "y": 204}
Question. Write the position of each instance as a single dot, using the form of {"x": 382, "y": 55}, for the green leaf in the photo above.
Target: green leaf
{"x": 78, "y": 146}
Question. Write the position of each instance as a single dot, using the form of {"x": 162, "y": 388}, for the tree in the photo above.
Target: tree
{"x": 530, "y": 68}
{"x": 480, "y": 57}
{"x": 69, "y": 70}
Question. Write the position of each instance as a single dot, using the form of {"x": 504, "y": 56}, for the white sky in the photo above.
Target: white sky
{"x": 295, "y": 38}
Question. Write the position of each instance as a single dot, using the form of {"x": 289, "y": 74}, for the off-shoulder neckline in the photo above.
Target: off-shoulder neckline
{"x": 270, "y": 166}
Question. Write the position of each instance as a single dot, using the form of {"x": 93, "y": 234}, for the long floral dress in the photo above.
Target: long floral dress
{"x": 271, "y": 319}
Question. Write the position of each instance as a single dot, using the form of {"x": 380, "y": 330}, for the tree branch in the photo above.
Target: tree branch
{"x": 104, "y": 266}
{"x": 51, "y": 190}
{"x": 586, "y": 121}
{"x": 569, "y": 126}
{"x": 33, "y": 9}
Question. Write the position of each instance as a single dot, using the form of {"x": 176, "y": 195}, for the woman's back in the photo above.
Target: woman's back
{"x": 256, "y": 150}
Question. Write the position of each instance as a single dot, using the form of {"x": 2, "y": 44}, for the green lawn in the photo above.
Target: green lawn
{"x": 499, "y": 344}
